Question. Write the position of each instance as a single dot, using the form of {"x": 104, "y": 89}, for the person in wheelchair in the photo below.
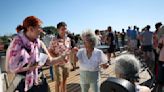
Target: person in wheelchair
{"x": 127, "y": 67}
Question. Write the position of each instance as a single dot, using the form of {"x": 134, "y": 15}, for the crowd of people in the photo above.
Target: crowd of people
{"x": 23, "y": 54}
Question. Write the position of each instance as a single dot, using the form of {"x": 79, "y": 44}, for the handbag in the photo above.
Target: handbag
{"x": 18, "y": 80}
{"x": 18, "y": 84}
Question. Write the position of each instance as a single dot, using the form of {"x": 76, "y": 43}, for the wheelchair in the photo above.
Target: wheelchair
{"x": 113, "y": 84}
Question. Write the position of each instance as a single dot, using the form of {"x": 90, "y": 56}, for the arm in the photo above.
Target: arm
{"x": 53, "y": 60}
{"x": 103, "y": 61}
{"x": 75, "y": 49}
{"x": 29, "y": 67}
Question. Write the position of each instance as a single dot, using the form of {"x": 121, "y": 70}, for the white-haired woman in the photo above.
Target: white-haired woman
{"x": 90, "y": 59}
{"x": 130, "y": 72}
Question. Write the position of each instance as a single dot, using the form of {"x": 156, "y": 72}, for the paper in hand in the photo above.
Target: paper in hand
{"x": 42, "y": 59}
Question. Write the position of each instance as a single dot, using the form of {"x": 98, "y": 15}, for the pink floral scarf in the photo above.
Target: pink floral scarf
{"x": 20, "y": 53}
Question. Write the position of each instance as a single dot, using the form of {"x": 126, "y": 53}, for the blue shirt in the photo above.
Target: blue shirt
{"x": 133, "y": 34}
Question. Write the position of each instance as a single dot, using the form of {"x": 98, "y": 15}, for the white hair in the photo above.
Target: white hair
{"x": 89, "y": 35}
{"x": 128, "y": 66}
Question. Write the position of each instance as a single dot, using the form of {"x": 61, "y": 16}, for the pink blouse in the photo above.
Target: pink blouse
{"x": 20, "y": 53}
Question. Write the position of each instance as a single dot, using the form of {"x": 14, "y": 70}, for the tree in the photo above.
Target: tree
{"x": 50, "y": 30}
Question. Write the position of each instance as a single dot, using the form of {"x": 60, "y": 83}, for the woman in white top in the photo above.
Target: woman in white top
{"x": 90, "y": 60}
{"x": 127, "y": 67}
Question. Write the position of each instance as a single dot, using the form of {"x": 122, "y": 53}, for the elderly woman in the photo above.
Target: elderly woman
{"x": 90, "y": 59}
{"x": 130, "y": 72}
{"x": 23, "y": 54}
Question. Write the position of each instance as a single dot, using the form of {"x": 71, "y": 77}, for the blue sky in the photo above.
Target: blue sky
{"x": 82, "y": 14}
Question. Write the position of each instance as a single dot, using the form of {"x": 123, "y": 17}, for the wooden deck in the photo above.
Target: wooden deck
{"x": 73, "y": 83}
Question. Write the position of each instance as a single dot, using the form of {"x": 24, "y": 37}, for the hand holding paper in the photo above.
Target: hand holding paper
{"x": 42, "y": 59}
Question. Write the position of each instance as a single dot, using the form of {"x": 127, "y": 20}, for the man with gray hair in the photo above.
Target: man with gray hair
{"x": 130, "y": 72}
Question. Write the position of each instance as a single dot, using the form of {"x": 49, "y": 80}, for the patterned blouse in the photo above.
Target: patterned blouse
{"x": 22, "y": 52}
{"x": 58, "y": 46}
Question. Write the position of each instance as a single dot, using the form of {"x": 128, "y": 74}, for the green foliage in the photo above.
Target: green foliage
{"x": 50, "y": 30}
{"x": 4, "y": 39}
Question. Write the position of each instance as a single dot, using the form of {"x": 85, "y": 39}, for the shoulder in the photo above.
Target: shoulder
{"x": 17, "y": 40}
{"x": 81, "y": 50}
{"x": 98, "y": 51}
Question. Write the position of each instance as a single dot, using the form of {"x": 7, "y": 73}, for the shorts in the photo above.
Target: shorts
{"x": 111, "y": 49}
{"x": 147, "y": 48}
{"x": 60, "y": 71}
{"x": 161, "y": 72}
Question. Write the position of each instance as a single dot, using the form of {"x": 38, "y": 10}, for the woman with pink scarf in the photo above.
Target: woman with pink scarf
{"x": 23, "y": 53}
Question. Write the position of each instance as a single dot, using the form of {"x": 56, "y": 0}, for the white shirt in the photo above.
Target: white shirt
{"x": 92, "y": 64}
{"x": 98, "y": 39}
